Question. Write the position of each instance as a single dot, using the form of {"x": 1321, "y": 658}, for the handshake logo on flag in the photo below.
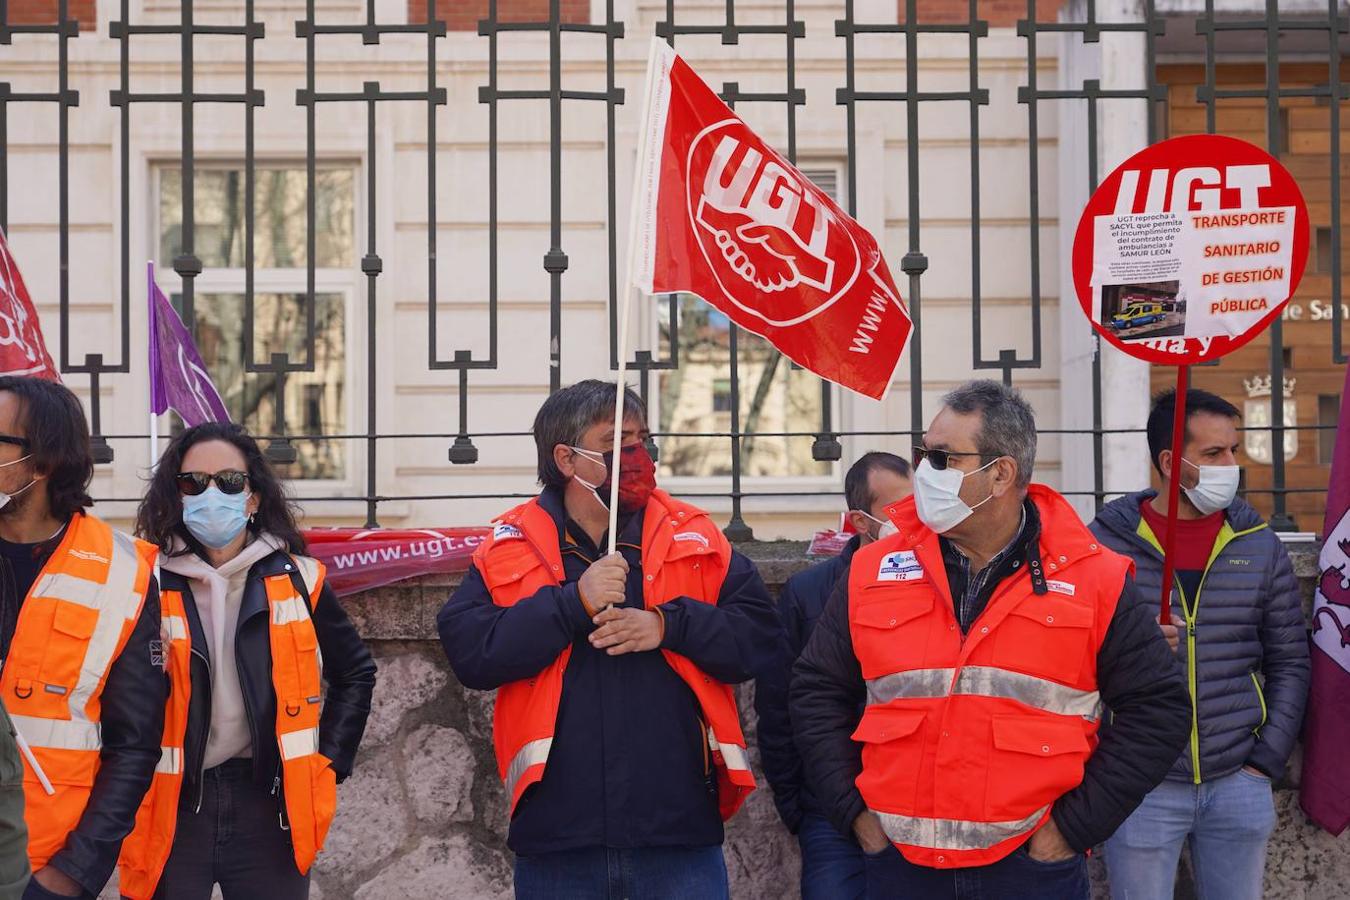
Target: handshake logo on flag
{"x": 773, "y": 246}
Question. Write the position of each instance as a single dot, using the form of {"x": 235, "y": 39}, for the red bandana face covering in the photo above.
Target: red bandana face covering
{"x": 637, "y": 478}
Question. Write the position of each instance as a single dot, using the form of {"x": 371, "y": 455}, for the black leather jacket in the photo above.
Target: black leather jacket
{"x": 348, "y": 671}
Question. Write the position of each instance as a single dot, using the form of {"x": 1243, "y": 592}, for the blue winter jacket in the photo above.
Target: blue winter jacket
{"x": 800, "y": 603}
{"x": 1245, "y": 648}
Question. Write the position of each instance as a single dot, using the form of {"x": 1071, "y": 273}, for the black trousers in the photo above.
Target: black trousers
{"x": 235, "y": 841}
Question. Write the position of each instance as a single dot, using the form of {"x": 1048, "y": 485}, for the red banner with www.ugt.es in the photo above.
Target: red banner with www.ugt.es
{"x": 364, "y": 559}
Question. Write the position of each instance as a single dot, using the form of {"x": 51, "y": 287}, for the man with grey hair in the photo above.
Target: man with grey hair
{"x": 983, "y": 640}
{"x": 616, "y": 730}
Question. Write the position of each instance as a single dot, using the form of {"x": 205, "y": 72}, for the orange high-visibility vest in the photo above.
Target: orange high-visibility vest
{"x": 146, "y": 849}
{"x": 309, "y": 784}
{"x": 683, "y": 555}
{"x": 967, "y": 741}
{"x": 76, "y": 619}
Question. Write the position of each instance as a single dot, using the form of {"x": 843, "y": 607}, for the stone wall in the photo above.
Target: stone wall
{"x": 424, "y": 814}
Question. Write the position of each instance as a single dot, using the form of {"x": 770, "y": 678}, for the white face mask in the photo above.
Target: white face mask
{"x": 937, "y": 496}
{"x": 6, "y": 498}
{"x": 1216, "y": 489}
{"x": 886, "y": 528}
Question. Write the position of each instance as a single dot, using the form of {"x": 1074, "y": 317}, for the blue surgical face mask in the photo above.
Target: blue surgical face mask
{"x": 216, "y": 518}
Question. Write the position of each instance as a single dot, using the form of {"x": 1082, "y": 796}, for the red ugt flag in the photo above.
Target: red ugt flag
{"x": 1325, "y": 791}
{"x": 22, "y": 349}
{"x": 719, "y": 213}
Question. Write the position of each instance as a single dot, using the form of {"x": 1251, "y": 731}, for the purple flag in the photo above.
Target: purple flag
{"x": 178, "y": 377}
{"x": 1325, "y": 789}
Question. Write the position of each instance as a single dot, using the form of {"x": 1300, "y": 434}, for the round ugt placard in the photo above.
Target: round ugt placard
{"x": 1190, "y": 249}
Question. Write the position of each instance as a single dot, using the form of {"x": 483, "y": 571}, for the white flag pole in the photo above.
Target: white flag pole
{"x": 624, "y": 295}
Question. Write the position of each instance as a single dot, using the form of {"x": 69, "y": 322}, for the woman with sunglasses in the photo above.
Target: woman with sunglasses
{"x": 259, "y": 751}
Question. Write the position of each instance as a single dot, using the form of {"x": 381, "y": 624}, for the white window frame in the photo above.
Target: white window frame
{"x": 348, "y": 282}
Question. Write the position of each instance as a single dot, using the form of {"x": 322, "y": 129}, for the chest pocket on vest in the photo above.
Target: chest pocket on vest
{"x": 72, "y": 627}
{"x": 514, "y": 570}
{"x": 690, "y": 564}
{"x": 1047, "y": 636}
{"x": 894, "y": 629}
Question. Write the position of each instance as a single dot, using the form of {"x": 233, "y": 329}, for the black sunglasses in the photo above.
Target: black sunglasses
{"x": 229, "y": 481}
{"x": 16, "y": 441}
{"x": 939, "y": 458}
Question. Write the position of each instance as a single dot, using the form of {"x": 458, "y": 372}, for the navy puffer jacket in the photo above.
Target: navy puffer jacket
{"x": 1245, "y": 647}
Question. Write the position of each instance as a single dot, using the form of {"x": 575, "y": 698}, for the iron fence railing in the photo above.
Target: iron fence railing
{"x": 1268, "y": 25}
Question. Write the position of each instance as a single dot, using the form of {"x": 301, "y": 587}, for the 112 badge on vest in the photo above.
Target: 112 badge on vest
{"x": 900, "y": 566}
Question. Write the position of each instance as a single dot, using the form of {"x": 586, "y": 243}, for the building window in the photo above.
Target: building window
{"x": 776, "y": 398}
{"x": 1328, "y": 415}
{"x": 316, "y": 402}
{"x": 1322, "y": 250}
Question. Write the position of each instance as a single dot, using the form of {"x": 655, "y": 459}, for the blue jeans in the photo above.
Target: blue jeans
{"x": 1015, "y": 877}
{"x": 1226, "y": 822}
{"x": 832, "y": 864}
{"x": 645, "y": 873}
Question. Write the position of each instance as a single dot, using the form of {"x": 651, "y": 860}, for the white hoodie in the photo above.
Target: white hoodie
{"x": 218, "y": 594}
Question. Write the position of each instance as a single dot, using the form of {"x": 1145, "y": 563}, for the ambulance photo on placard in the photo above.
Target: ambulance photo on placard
{"x": 1143, "y": 310}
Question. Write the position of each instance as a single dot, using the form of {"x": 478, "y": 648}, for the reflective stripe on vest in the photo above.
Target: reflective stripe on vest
{"x": 296, "y": 744}
{"x": 535, "y": 753}
{"x": 732, "y": 755}
{"x": 170, "y": 761}
{"x": 953, "y": 834}
{"x": 59, "y": 734}
{"x": 75, "y": 620}
{"x": 985, "y": 681}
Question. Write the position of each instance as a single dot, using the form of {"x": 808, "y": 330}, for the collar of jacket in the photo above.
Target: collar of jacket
{"x": 254, "y": 601}
{"x": 1023, "y": 547}
{"x": 1062, "y": 540}
{"x": 658, "y": 522}
{"x": 552, "y": 502}
{"x": 1123, "y": 518}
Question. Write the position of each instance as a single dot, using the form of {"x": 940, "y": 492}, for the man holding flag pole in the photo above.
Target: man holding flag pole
{"x": 616, "y": 729}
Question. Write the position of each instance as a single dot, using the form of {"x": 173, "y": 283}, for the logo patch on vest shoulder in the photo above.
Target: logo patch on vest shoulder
{"x": 900, "y": 566}
{"x": 1061, "y": 587}
{"x": 691, "y": 536}
{"x": 88, "y": 556}
{"x": 504, "y": 531}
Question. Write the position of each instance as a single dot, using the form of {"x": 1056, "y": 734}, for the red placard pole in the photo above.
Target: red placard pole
{"x": 1174, "y": 492}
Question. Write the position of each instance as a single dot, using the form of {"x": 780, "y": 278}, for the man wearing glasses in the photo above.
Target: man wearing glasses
{"x": 984, "y": 639}
{"x": 80, "y": 638}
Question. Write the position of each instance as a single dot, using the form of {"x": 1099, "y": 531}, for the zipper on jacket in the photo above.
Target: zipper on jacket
{"x": 1260, "y": 698}
{"x": 1191, "y": 613}
{"x": 201, "y": 768}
